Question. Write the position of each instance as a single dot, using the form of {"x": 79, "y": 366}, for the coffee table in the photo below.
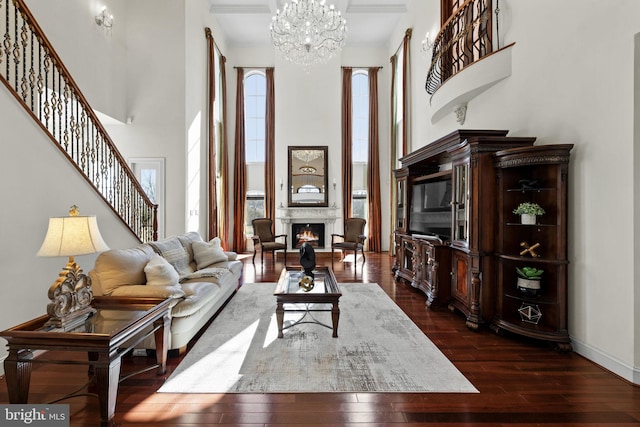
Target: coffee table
{"x": 290, "y": 297}
{"x": 115, "y": 328}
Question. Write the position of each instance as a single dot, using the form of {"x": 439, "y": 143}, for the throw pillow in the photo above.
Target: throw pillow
{"x": 173, "y": 251}
{"x": 208, "y": 253}
{"x": 160, "y": 273}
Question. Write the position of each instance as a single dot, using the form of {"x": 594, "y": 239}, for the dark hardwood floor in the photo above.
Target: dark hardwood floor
{"x": 521, "y": 382}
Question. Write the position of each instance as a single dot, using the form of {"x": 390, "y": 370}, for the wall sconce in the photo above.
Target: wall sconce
{"x": 427, "y": 44}
{"x": 104, "y": 19}
{"x": 281, "y": 184}
{"x": 334, "y": 183}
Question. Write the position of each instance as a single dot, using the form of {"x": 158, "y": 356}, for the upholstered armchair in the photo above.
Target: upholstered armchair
{"x": 264, "y": 238}
{"x": 352, "y": 239}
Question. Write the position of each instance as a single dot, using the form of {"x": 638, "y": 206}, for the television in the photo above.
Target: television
{"x": 430, "y": 208}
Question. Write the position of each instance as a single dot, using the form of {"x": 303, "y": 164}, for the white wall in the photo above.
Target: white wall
{"x": 46, "y": 187}
{"x": 308, "y": 112}
{"x": 571, "y": 83}
{"x": 565, "y": 89}
{"x": 93, "y": 57}
{"x": 155, "y": 74}
{"x": 636, "y": 201}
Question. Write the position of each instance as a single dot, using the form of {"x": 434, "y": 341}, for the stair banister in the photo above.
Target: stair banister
{"x": 35, "y": 75}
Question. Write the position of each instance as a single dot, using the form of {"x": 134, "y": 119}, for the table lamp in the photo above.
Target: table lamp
{"x": 70, "y": 296}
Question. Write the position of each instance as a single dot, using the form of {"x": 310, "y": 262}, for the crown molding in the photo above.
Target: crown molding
{"x": 226, "y": 9}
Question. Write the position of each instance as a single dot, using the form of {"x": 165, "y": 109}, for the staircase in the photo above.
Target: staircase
{"x": 34, "y": 74}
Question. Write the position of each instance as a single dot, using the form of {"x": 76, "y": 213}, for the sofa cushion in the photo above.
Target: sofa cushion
{"x": 218, "y": 274}
{"x": 187, "y": 240}
{"x": 197, "y": 294}
{"x": 160, "y": 273}
{"x": 173, "y": 251}
{"x": 207, "y": 253}
{"x": 121, "y": 267}
{"x": 142, "y": 291}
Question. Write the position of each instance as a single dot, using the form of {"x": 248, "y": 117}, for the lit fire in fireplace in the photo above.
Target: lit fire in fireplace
{"x": 313, "y": 234}
{"x": 307, "y": 236}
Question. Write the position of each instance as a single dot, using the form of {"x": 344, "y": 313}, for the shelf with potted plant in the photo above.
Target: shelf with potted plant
{"x": 529, "y": 211}
{"x": 532, "y": 180}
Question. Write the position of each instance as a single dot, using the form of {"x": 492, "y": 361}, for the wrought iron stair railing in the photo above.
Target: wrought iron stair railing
{"x": 33, "y": 72}
{"x": 463, "y": 39}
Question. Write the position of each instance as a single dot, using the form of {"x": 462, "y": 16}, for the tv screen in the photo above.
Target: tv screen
{"x": 431, "y": 209}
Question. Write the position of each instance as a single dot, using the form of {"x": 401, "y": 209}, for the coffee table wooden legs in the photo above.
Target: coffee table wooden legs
{"x": 280, "y": 318}
{"x": 18, "y": 374}
{"x": 335, "y": 318}
{"x": 107, "y": 376}
{"x": 161, "y": 336}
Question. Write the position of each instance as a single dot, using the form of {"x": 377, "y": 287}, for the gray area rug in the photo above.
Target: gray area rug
{"x": 378, "y": 349}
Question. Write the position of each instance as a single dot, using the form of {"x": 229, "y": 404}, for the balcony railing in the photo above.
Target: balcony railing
{"x": 33, "y": 72}
{"x": 464, "y": 39}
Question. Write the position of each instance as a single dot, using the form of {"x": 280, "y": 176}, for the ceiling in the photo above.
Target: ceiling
{"x": 246, "y": 22}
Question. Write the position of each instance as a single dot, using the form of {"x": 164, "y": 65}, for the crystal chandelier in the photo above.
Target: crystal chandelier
{"x": 307, "y": 155}
{"x": 308, "y": 32}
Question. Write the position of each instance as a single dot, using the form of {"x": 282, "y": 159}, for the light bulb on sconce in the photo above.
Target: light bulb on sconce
{"x": 334, "y": 183}
{"x": 427, "y": 45}
{"x": 104, "y": 19}
{"x": 281, "y": 184}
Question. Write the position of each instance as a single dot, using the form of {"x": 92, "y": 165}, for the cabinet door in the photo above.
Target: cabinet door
{"x": 460, "y": 277}
{"x": 401, "y": 204}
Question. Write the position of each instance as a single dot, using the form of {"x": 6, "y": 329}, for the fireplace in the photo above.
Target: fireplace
{"x": 307, "y": 232}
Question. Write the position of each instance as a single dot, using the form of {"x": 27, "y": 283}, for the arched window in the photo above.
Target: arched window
{"x": 360, "y": 142}
{"x": 255, "y": 93}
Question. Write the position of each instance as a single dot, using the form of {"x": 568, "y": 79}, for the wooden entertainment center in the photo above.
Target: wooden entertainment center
{"x": 458, "y": 240}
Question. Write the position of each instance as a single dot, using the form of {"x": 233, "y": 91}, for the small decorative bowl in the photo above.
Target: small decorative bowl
{"x": 306, "y": 283}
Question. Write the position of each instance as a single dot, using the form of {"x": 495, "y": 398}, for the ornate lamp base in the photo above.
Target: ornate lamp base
{"x": 70, "y": 297}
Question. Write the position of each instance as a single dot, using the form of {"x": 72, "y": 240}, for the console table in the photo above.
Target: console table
{"x": 115, "y": 328}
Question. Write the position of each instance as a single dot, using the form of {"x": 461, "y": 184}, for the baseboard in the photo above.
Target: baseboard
{"x": 606, "y": 361}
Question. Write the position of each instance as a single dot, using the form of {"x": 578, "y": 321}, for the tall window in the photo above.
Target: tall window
{"x": 360, "y": 142}
{"x": 398, "y": 104}
{"x": 255, "y": 95}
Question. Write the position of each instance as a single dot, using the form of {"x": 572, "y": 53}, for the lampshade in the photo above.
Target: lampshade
{"x": 71, "y": 236}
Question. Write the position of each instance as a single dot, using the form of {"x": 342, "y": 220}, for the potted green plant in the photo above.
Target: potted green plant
{"x": 528, "y": 212}
{"x": 529, "y": 280}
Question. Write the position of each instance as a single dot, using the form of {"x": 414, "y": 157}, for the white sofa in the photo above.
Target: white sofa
{"x": 199, "y": 275}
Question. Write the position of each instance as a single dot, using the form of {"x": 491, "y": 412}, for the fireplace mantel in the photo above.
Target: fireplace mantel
{"x": 328, "y": 216}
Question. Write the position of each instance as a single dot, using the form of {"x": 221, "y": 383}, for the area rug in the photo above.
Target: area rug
{"x": 378, "y": 349}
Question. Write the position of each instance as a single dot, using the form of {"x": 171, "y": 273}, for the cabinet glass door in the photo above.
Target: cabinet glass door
{"x": 401, "y": 205}
{"x": 461, "y": 203}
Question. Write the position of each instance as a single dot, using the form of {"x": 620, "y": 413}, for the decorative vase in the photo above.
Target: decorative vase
{"x": 528, "y": 219}
{"x": 530, "y": 287}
